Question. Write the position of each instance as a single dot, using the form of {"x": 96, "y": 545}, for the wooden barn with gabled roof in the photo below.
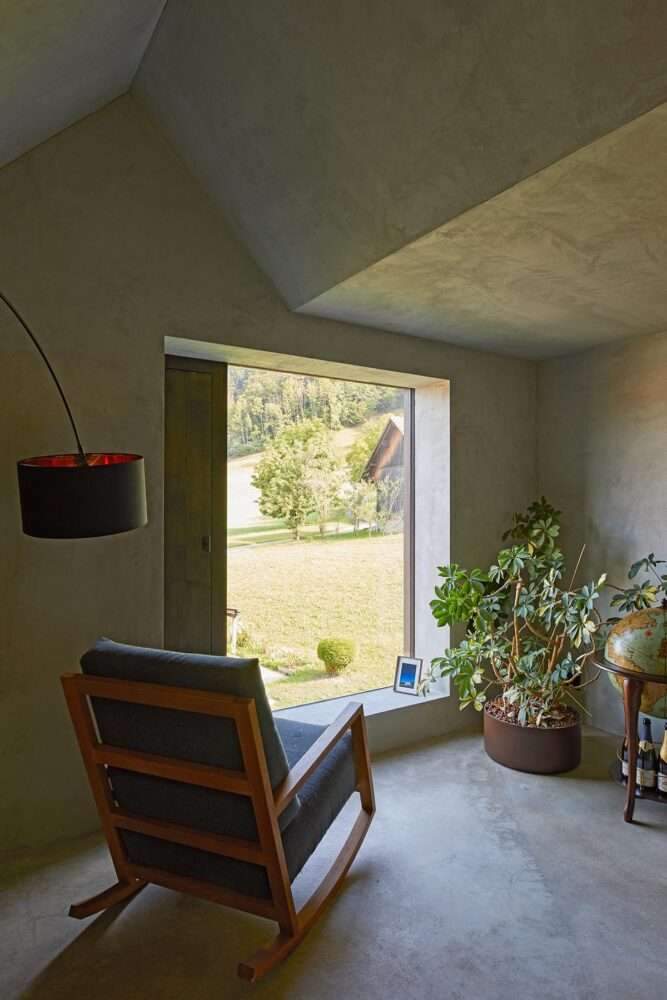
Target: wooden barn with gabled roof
{"x": 386, "y": 461}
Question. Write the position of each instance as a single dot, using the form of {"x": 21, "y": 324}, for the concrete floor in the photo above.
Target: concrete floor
{"x": 474, "y": 882}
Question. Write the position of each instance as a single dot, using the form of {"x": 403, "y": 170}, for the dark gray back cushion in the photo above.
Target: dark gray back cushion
{"x": 189, "y": 736}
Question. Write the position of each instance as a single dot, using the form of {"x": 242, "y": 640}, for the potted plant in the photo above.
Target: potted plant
{"x": 527, "y": 642}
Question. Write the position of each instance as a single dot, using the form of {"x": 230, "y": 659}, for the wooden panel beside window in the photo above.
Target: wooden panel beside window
{"x": 195, "y": 505}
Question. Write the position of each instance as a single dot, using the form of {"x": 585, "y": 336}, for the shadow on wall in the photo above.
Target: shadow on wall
{"x": 601, "y": 457}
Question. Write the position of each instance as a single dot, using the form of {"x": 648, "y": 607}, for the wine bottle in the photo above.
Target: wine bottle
{"x": 625, "y": 769}
{"x": 647, "y": 761}
{"x": 662, "y": 767}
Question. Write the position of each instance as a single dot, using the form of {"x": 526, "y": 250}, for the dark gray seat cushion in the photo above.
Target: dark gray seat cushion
{"x": 189, "y": 736}
{"x": 322, "y": 797}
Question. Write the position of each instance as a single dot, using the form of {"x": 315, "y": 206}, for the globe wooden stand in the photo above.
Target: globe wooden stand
{"x": 633, "y": 686}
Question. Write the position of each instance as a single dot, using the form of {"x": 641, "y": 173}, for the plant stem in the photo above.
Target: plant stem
{"x": 577, "y": 702}
{"x": 537, "y": 632}
{"x": 591, "y": 680}
{"x": 556, "y": 651}
{"x": 581, "y": 555}
{"x": 516, "y": 644}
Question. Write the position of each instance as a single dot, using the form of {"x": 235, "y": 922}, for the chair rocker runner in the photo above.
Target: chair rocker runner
{"x": 200, "y": 789}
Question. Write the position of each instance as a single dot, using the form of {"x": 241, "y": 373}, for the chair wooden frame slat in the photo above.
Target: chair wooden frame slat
{"x": 205, "y": 890}
{"x": 162, "y": 696}
{"x": 203, "y": 775}
{"x": 253, "y": 781}
{"x": 229, "y": 847}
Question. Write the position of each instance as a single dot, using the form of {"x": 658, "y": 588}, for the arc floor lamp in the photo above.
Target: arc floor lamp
{"x": 83, "y": 494}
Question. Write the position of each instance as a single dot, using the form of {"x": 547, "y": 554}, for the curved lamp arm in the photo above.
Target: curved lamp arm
{"x": 53, "y": 375}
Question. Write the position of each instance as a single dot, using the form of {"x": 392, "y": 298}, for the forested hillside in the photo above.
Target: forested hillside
{"x": 263, "y": 403}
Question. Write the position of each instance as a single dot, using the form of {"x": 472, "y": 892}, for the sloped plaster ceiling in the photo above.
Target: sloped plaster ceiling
{"x": 333, "y": 134}
{"x": 63, "y": 59}
{"x": 573, "y": 257}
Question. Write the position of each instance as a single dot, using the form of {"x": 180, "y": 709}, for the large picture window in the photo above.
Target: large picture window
{"x": 317, "y": 513}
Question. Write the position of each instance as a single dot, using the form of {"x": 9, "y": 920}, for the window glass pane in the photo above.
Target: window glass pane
{"x": 315, "y": 532}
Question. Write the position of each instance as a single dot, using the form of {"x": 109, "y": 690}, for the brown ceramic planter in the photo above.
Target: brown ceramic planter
{"x": 538, "y": 751}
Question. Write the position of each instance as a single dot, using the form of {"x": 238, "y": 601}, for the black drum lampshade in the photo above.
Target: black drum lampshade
{"x": 65, "y": 496}
{"x": 79, "y": 495}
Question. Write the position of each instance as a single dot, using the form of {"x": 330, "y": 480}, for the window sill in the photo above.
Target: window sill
{"x": 380, "y": 702}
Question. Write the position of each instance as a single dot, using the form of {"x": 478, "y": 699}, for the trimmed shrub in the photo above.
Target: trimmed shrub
{"x": 244, "y": 638}
{"x": 336, "y": 654}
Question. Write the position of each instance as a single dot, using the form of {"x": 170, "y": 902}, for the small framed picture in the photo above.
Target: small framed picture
{"x": 408, "y": 675}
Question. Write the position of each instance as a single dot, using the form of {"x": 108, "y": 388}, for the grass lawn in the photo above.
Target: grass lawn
{"x": 293, "y": 594}
{"x": 277, "y": 531}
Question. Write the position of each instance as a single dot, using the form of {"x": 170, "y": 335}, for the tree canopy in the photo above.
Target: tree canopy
{"x": 263, "y": 403}
{"x": 298, "y": 474}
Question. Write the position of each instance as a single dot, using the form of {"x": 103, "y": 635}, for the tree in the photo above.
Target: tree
{"x": 286, "y": 470}
{"x": 360, "y": 502}
{"x": 390, "y": 495}
{"x": 325, "y": 484}
{"x": 331, "y": 401}
{"x": 275, "y": 419}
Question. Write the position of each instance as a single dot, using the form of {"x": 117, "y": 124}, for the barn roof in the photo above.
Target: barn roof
{"x": 385, "y": 449}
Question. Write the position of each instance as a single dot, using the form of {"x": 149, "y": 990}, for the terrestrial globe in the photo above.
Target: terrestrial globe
{"x": 638, "y": 644}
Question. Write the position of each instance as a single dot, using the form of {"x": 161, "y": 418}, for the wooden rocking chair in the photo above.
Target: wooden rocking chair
{"x": 200, "y": 789}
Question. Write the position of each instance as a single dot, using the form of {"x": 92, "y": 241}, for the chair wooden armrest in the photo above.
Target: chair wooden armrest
{"x": 322, "y": 746}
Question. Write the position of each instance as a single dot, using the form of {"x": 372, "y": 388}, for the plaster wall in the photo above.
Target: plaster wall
{"x": 108, "y": 245}
{"x": 570, "y": 258}
{"x": 601, "y": 459}
{"x": 63, "y": 61}
{"x": 334, "y": 134}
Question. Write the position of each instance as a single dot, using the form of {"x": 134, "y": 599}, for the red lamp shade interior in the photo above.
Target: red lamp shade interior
{"x": 72, "y": 461}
